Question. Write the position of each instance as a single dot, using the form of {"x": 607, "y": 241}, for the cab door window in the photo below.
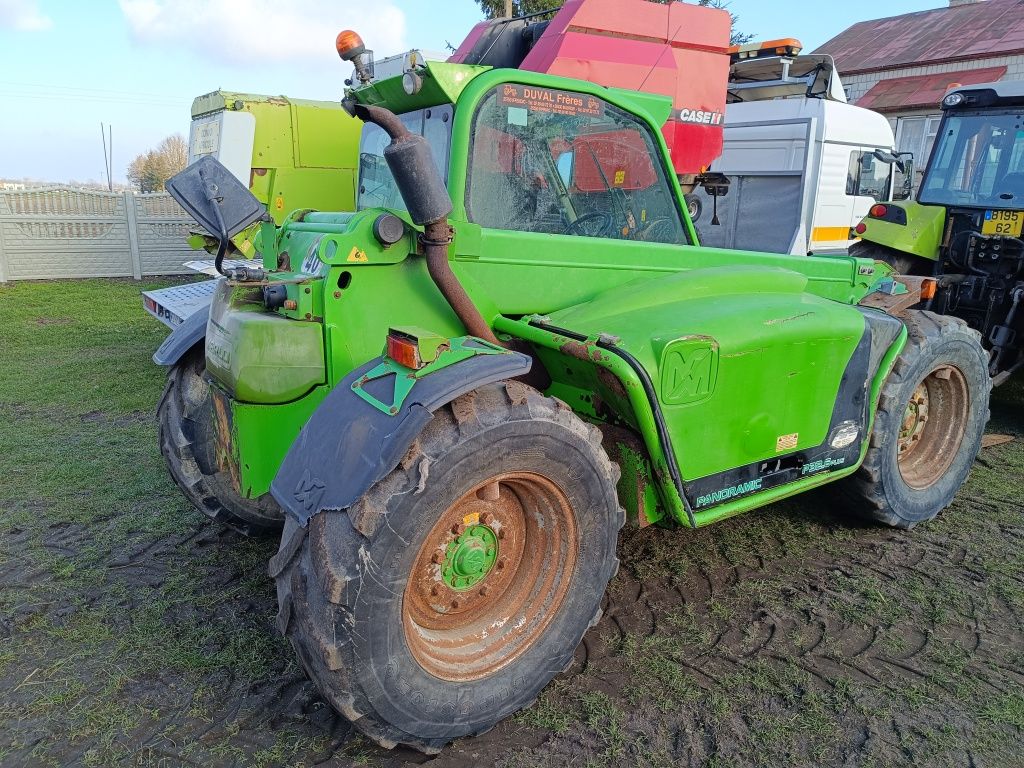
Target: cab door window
{"x": 558, "y": 162}
{"x": 868, "y": 176}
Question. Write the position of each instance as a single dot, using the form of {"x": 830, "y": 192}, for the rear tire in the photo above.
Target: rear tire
{"x": 448, "y": 596}
{"x": 928, "y": 426}
{"x": 188, "y": 444}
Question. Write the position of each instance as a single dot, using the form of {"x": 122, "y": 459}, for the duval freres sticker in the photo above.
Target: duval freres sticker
{"x": 549, "y": 100}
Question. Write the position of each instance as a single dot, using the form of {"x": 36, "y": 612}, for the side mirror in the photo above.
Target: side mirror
{"x": 217, "y": 200}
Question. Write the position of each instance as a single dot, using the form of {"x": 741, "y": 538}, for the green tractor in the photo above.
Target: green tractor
{"x": 965, "y": 229}
{"x": 451, "y": 399}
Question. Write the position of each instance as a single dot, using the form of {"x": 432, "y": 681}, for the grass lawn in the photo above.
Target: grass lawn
{"x": 134, "y": 632}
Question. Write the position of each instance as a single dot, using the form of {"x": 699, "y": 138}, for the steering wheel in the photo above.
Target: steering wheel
{"x": 605, "y": 225}
{"x": 661, "y": 230}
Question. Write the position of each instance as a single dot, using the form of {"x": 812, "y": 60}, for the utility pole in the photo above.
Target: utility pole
{"x": 508, "y": 9}
{"x": 107, "y": 136}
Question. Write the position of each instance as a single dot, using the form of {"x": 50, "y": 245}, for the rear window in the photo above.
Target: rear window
{"x": 376, "y": 184}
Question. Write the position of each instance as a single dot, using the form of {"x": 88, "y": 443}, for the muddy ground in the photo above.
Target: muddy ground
{"x": 132, "y": 632}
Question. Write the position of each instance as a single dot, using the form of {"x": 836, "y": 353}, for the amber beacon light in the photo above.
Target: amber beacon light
{"x": 351, "y": 48}
{"x": 349, "y": 44}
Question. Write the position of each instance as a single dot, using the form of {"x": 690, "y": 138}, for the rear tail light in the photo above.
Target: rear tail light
{"x": 928, "y": 289}
{"x": 878, "y": 211}
{"x": 404, "y": 350}
{"x": 861, "y": 228}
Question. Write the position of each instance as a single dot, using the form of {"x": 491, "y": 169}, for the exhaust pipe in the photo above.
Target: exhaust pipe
{"x": 426, "y": 198}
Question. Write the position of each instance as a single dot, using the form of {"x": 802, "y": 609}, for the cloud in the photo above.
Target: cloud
{"x": 23, "y": 15}
{"x": 261, "y": 31}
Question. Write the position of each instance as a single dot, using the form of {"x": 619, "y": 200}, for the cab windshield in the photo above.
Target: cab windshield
{"x": 558, "y": 162}
{"x": 377, "y": 187}
{"x": 978, "y": 161}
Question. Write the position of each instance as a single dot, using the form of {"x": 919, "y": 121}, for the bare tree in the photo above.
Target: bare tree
{"x": 493, "y": 9}
{"x": 150, "y": 170}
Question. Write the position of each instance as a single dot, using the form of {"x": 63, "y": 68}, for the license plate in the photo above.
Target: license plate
{"x": 1006, "y": 223}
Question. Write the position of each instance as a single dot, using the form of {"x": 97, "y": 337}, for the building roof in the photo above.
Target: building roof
{"x": 922, "y": 90}
{"x": 971, "y": 31}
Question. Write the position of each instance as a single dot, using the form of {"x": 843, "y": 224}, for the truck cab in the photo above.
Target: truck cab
{"x": 805, "y": 166}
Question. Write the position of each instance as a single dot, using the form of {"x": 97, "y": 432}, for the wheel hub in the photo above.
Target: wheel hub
{"x": 470, "y": 557}
{"x": 933, "y": 426}
{"x": 489, "y": 576}
{"x": 914, "y": 419}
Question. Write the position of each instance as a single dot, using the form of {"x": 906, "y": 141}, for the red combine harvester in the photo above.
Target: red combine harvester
{"x": 677, "y": 50}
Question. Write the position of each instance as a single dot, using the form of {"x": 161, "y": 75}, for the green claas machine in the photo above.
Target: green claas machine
{"x": 292, "y": 154}
{"x": 451, "y": 399}
{"x": 965, "y": 229}
{"x": 288, "y": 151}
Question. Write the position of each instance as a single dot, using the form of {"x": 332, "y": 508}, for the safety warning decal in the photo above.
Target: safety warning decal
{"x": 549, "y": 100}
{"x": 787, "y": 442}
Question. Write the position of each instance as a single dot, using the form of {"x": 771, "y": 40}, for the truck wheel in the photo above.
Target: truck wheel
{"x": 694, "y": 207}
{"x": 904, "y": 263}
{"x": 447, "y": 597}
{"x": 188, "y": 444}
{"x": 928, "y": 427}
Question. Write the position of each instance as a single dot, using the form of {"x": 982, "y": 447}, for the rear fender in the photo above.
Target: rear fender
{"x": 191, "y": 332}
{"x": 355, "y": 438}
{"x": 908, "y": 227}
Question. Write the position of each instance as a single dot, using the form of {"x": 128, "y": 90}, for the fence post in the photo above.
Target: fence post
{"x": 3, "y": 257}
{"x": 133, "y": 234}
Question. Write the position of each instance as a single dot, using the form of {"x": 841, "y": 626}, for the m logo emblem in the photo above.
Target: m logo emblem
{"x": 689, "y": 368}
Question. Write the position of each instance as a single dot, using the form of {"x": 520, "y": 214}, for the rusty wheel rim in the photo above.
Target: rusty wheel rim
{"x": 465, "y": 620}
{"x": 932, "y": 427}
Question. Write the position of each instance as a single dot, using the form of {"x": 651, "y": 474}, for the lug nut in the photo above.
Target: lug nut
{"x": 501, "y": 533}
{"x": 484, "y": 590}
{"x": 458, "y": 529}
{"x": 435, "y": 590}
{"x": 456, "y": 604}
{"x": 486, "y": 518}
{"x": 501, "y": 562}
{"x": 436, "y": 558}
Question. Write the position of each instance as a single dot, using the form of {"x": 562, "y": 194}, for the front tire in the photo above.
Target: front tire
{"x": 187, "y": 441}
{"x": 448, "y": 596}
{"x": 928, "y": 426}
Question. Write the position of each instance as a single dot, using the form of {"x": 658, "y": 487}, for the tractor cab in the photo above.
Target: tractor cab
{"x": 966, "y": 226}
{"x": 978, "y": 160}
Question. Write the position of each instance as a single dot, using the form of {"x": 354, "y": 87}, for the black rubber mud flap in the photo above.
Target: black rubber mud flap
{"x": 183, "y": 338}
{"x": 348, "y": 445}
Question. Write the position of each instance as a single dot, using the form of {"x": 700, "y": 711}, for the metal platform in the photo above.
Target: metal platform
{"x": 172, "y": 305}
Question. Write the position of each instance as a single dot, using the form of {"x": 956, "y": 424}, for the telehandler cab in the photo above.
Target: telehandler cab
{"x": 452, "y": 398}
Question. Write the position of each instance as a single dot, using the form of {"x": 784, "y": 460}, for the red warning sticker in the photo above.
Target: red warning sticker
{"x": 550, "y": 100}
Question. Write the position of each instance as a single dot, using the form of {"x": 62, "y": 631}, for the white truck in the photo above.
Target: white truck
{"x": 804, "y": 165}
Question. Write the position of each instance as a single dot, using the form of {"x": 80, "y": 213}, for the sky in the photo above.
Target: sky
{"x": 136, "y": 65}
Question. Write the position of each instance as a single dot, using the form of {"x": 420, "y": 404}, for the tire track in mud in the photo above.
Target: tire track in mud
{"x": 797, "y": 637}
{"x": 873, "y": 636}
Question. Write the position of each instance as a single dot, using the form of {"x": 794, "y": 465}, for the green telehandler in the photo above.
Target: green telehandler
{"x": 451, "y": 399}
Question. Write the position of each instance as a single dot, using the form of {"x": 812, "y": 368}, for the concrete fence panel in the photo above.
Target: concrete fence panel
{"x": 63, "y": 233}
